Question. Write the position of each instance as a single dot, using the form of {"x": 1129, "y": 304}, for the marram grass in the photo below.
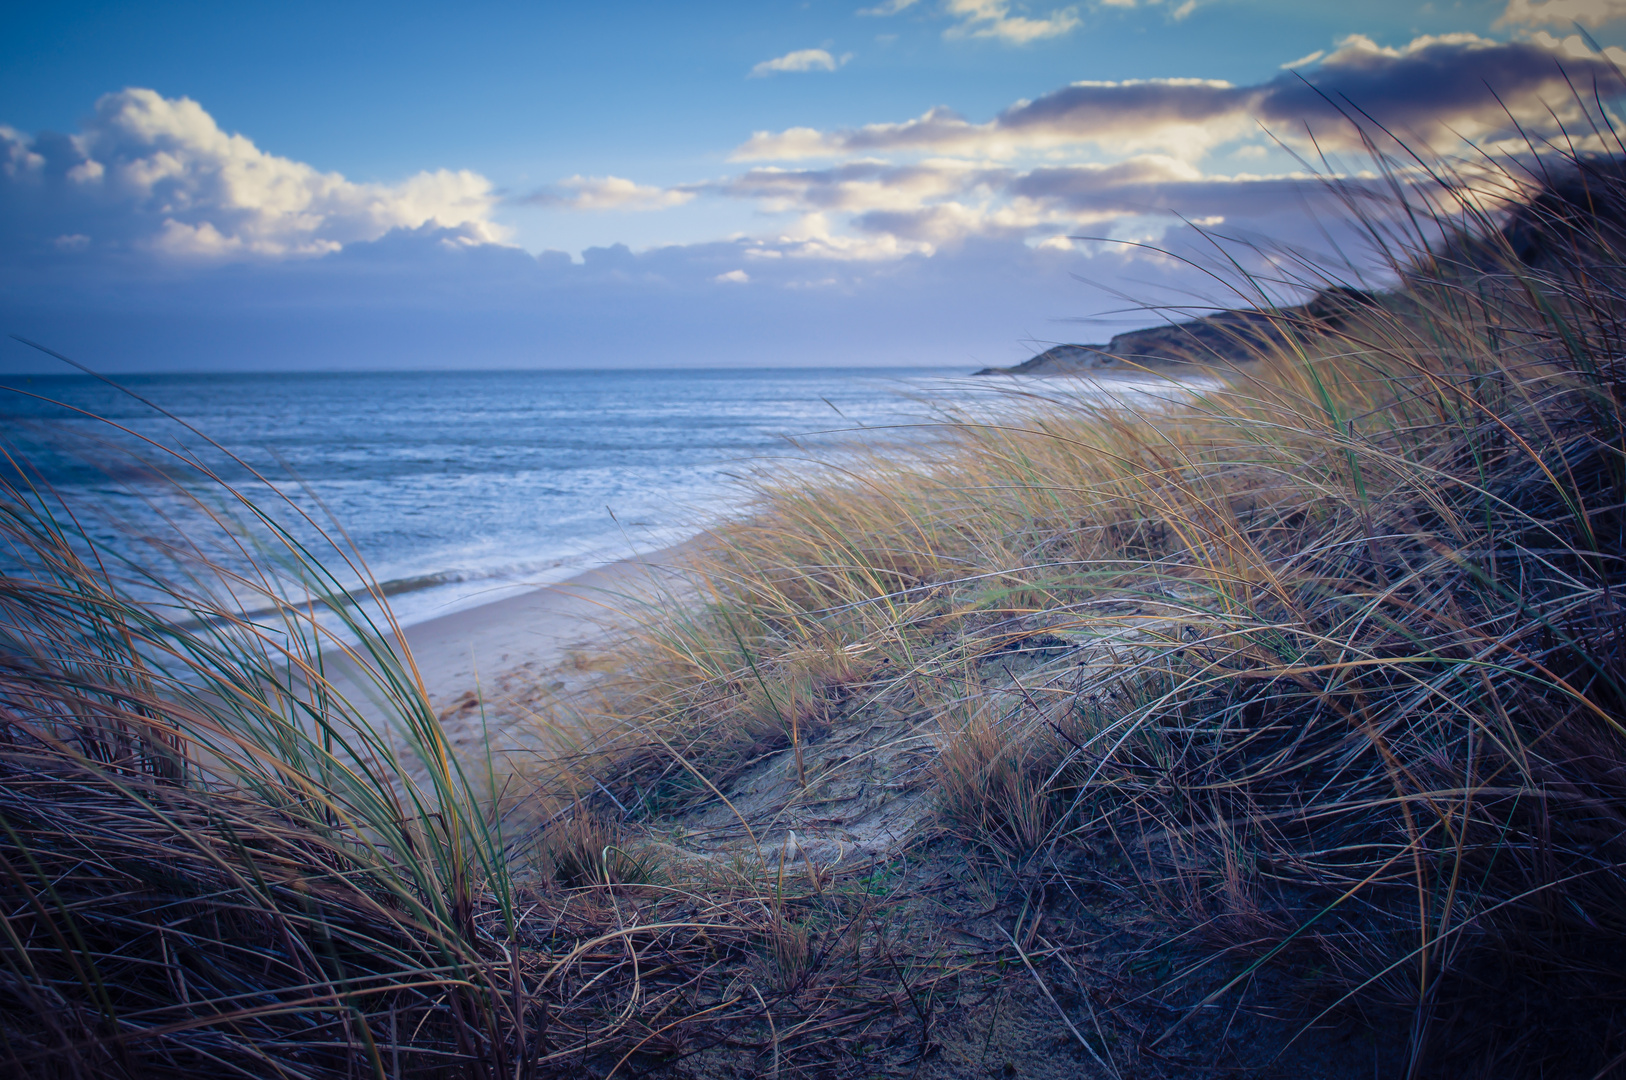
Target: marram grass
{"x": 1331, "y": 657}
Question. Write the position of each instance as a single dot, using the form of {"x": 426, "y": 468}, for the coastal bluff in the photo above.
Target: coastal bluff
{"x": 1565, "y": 221}
{"x": 1223, "y": 338}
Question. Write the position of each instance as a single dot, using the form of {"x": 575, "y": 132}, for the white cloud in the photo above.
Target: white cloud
{"x": 813, "y": 237}
{"x": 1561, "y": 12}
{"x": 872, "y": 209}
{"x": 20, "y": 160}
{"x": 860, "y": 186}
{"x": 800, "y": 60}
{"x": 862, "y": 249}
{"x": 163, "y": 175}
{"x": 1304, "y": 61}
{"x": 1119, "y": 159}
{"x": 993, "y": 19}
{"x": 608, "y": 193}
{"x": 203, "y": 240}
{"x": 789, "y": 145}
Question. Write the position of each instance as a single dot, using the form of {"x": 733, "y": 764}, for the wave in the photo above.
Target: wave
{"x": 524, "y": 574}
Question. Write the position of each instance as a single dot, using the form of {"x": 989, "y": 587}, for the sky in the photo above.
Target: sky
{"x": 301, "y": 186}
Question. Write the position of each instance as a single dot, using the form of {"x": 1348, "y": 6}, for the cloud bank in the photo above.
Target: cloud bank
{"x": 154, "y": 238}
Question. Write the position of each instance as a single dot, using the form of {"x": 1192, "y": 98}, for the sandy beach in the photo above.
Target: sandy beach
{"x": 494, "y": 669}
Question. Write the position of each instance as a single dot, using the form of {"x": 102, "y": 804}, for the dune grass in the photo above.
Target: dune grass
{"x": 1329, "y": 658}
{"x": 235, "y": 839}
{"x": 1323, "y": 661}
{"x": 214, "y": 857}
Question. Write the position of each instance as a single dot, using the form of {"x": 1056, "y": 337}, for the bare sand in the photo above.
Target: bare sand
{"x": 548, "y": 638}
{"x": 540, "y": 629}
{"x": 511, "y": 680}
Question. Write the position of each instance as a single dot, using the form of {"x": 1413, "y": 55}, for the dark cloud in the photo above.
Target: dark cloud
{"x": 420, "y": 298}
{"x": 1439, "y": 89}
{"x": 1434, "y": 88}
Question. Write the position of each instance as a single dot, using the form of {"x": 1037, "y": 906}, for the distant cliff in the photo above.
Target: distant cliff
{"x": 1572, "y": 217}
{"x": 1226, "y": 337}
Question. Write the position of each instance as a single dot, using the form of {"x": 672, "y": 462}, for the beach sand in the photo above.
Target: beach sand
{"x": 511, "y": 680}
{"x": 538, "y": 630}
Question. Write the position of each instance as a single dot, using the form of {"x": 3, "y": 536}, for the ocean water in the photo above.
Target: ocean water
{"x": 462, "y": 487}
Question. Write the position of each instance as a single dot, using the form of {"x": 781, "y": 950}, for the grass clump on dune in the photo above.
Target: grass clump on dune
{"x": 1328, "y": 661}
{"x": 214, "y": 856}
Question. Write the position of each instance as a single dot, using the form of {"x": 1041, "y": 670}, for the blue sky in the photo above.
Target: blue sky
{"x": 629, "y": 184}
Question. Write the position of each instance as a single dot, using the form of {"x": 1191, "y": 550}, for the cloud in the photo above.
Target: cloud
{"x": 890, "y": 7}
{"x": 938, "y": 181}
{"x": 859, "y": 185}
{"x": 1561, "y": 12}
{"x": 407, "y": 301}
{"x": 1163, "y": 187}
{"x": 118, "y": 232}
{"x": 1156, "y": 113}
{"x": 1434, "y": 89}
{"x": 800, "y": 60}
{"x": 993, "y": 19}
{"x": 1152, "y": 193}
{"x": 607, "y": 193}
{"x": 929, "y": 206}
{"x": 156, "y": 173}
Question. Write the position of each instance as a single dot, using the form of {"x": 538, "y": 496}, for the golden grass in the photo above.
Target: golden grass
{"x": 1333, "y": 653}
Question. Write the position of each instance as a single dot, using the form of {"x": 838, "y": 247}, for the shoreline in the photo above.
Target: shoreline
{"x": 496, "y": 664}
{"x": 536, "y": 646}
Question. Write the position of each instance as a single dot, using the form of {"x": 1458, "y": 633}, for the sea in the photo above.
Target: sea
{"x": 455, "y": 488}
